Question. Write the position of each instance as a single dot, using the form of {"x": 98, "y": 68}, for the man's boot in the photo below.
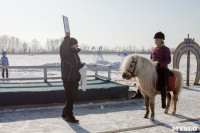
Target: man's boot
{"x": 71, "y": 119}
{"x": 163, "y": 91}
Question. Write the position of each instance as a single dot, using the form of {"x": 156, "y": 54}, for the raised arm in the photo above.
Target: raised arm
{"x": 65, "y": 46}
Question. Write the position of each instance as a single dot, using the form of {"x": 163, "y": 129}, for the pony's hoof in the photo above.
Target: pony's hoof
{"x": 166, "y": 111}
{"x": 146, "y": 115}
{"x": 151, "y": 119}
{"x": 173, "y": 112}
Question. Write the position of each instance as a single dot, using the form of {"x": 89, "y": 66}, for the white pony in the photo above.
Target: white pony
{"x": 145, "y": 71}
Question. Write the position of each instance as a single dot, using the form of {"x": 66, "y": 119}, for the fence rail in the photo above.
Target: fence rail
{"x": 45, "y": 71}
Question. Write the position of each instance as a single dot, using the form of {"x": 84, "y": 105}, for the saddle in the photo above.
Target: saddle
{"x": 171, "y": 82}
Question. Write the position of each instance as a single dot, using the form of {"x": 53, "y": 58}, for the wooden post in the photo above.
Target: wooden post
{"x": 96, "y": 72}
{"x": 109, "y": 72}
{"x": 188, "y": 69}
{"x": 45, "y": 74}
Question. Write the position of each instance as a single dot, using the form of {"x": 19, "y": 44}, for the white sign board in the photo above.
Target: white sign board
{"x": 66, "y": 24}
{"x": 191, "y": 46}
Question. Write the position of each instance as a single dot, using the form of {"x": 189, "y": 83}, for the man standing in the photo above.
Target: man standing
{"x": 162, "y": 55}
{"x": 70, "y": 65}
{"x": 4, "y": 62}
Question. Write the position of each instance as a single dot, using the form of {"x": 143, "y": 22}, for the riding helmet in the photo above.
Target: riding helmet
{"x": 159, "y": 35}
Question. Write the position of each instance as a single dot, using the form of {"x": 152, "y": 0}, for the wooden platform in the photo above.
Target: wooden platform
{"x": 53, "y": 92}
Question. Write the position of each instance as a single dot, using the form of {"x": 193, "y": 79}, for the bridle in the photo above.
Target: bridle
{"x": 132, "y": 67}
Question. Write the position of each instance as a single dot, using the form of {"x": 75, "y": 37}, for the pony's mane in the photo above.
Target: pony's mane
{"x": 145, "y": 69}
{"x": 126, "y": 63}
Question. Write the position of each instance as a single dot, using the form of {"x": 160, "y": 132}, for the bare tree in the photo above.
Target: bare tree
{"x": 35, "y": 46}
{"x": 25, "y": 47}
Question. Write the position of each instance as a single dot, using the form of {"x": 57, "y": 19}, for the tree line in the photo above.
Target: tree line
{"x": 14, "y": 45}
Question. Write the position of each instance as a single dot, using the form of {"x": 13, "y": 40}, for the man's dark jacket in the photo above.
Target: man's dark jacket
{"x": 70, "y": 62}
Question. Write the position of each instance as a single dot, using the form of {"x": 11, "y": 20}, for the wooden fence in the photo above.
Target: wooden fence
{"x": 45, "y": 71}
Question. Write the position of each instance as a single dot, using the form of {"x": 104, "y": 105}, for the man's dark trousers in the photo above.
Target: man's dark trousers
{"x": 71, "y": 89}
{"x": 3, "y": 70}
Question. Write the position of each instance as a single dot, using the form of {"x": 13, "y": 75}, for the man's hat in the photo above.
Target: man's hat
{"x": 4, "y": 52}
{"x": 73, "y": 41}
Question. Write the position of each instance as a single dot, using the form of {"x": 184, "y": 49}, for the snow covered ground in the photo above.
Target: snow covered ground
{"x": 123, "y": 116}
{"x": 113, "y": 59}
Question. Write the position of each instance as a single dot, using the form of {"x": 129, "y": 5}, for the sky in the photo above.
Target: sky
{"x": 107, "y": 23}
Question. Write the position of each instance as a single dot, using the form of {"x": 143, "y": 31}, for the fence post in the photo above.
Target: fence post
{"x": 96, "y": 71}
{"x": 188, "y": 69}
{"x": 109, "y": 72}
{"x": 45, "y": 74}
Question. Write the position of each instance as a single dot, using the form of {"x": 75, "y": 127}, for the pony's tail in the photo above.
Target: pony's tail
{"x": 180, "y": 83}
{"x": 179, "y": 78}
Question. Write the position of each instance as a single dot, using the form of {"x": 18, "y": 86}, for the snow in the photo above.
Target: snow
{"x": 125, "y": 116}
{"x": 54, "y": 59}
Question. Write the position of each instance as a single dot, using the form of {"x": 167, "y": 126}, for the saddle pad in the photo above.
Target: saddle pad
{"x": 171, "y": 83}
